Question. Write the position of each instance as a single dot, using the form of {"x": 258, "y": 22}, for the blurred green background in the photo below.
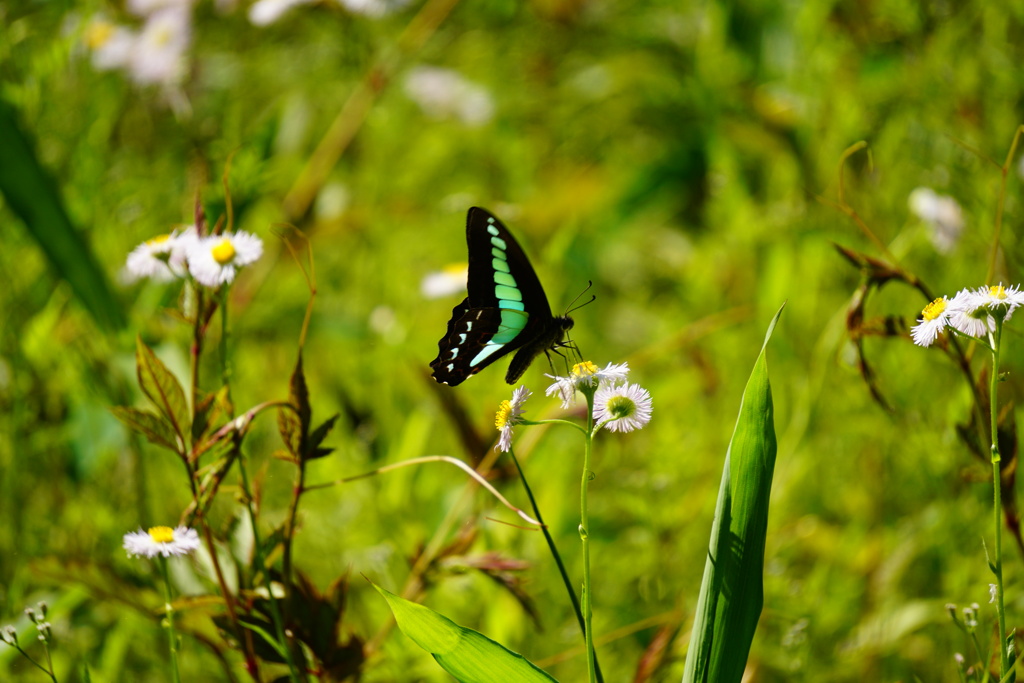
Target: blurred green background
{"x": 682, "y": 155}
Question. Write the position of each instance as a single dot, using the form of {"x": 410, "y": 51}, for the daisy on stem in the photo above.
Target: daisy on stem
{"x": 614, "y": 404}
{"x": 164, "y": 542}
{"x": 215, "y": 260}
{"x": 981, "y": 314}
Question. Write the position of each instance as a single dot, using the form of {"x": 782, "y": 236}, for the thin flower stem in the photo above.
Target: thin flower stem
{"x": 554, "y": 422}
{"x": 997, "y": 564}
{"x": 225, "y": 365}
{"x": 588, "y": 627}
{"x": 477, "y": 477}
{"x": 172, "y": 637}
{"x": 49, "y": 661}
{"x": 275, "y": 610}
{"x": 35, "y": 663}
{"x": 558, "y": 560}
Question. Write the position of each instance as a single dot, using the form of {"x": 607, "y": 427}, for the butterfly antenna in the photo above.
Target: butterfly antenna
{"x": 593, "y": 297}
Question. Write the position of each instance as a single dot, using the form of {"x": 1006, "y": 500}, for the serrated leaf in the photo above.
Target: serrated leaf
{"x": 469, "y": 656}
{"x": 155, "y": 428}
{"x": 291, "y": 430}
{"x": 313, "y": 449}
{"x": 163, "y": 389}
{"x": 732, "y": 592}
{"x": 319, "y": 453}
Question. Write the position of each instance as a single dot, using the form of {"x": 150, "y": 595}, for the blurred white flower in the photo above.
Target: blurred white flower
{"x": 941, "y": 214}
{"x": 143, "y": 8}
{"x": 158, "y": 55}
{"x": 266, "y": 12}
{"x": 161, "y": 540}
{"x": 372, "y": 8}
{"x": 110, "y": 43}
{"x": 215, "y": 260}
{"x": 161, "y": 258}
{"x": 449, "y": 280}
{"x": 443, "y": 94}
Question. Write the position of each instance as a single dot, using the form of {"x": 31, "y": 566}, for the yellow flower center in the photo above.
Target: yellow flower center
{"x": 997, "y": 292}
{"x": 584, "y": 369}
{"x": 98, "y": 33}
{"x": 621, "y": 406}
{"x": 934, "y": 309}
{"x": 504, "y": 411}
{"x": 161, "y": 534}
{"x": 158, "y": 240}
{"x": 454, "y": 269}
{"x": 223, "y": 252}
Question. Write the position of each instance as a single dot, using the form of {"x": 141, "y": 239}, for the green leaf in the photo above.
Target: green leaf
{"x": 33, "y": 196}
{"x": 313, "y": 449}
{"x": 211, "y": 411}
{"x": 467, "y": 655}
{"x": 161, "y": 386}
{"x": 293, "y": 424}
{"x": 732, "y": 592}
{"x": 155, "y": 428}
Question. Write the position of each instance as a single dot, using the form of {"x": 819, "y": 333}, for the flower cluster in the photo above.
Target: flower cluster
{"x": 213, "y": 260}
{"x": 154, "y": 54}
{"x": 618, "y": 406}
{"x": 972, "y": 312}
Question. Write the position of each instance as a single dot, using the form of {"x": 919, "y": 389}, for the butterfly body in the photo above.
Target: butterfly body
{"x": 506, "y": 309}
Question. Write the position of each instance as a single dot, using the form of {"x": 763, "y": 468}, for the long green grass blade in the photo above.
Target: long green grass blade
{"x": 464, "y": 653}
{"x": 732, "y": 592}
{"x": 34, "y": 197}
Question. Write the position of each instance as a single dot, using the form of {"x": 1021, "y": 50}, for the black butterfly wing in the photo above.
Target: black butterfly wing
{"x": 505, "y": 309}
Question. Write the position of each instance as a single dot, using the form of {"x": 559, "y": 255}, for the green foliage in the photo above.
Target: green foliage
{"x": 682, "y": 155}
{"x": 462, "y": 652}
{"x": 732, "y": 592}
{"x": 31, "y": 193}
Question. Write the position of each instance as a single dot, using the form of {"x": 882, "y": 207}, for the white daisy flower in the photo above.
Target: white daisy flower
{"x": 585, "y": 374}
{"x": 932, "y": 321}
{"x": 449, "y": 280}
{"x": 161, "y": 258}
{"x": 158, "y": 55}
{"x": 998, "y": 300}
{"x": 969, "y": 315}
{"x": 372, "y": 8}
{"x": 215, "y": 260}
{"x": 266, "y": 12}
{"x": 143, "y": 8}
{"x": 622, "y": 408}
{"x": 161, "y": 540}
{"x": 508, "y": 416}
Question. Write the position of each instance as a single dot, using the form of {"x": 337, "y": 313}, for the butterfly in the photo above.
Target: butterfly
{"x": 506, "y": 309}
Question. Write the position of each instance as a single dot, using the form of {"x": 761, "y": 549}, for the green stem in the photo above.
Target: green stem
{"x": 997, "y": 565}
{"x": 172, "y": 638}
{"x": 275, "y": 610}
{"x": 558, "y": 560}
{"x": 588, "y": 628}
{"x": 225, "y": 365}
{"x": 35, "y": 663}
